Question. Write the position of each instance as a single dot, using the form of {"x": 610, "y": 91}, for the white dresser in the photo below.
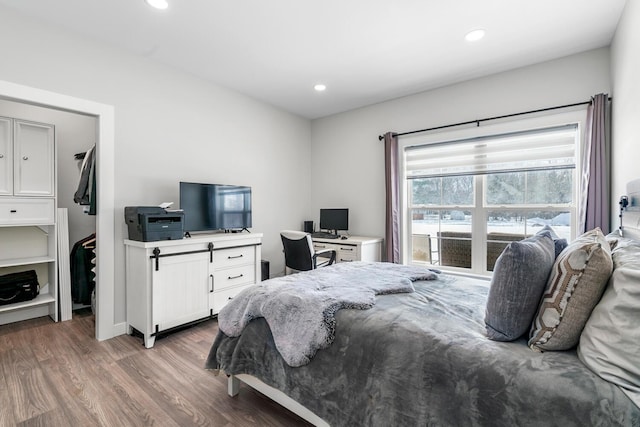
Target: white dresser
{"x": 171, "y": 283}
{"x": 354, "y": 248}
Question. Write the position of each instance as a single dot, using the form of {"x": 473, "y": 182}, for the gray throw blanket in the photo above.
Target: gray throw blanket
{"x": 300, "y": 308}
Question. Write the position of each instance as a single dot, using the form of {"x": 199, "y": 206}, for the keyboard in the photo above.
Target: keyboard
{"x": 324, "y": 235}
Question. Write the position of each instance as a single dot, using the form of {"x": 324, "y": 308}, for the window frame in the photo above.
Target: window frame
{"x": 575, "y": 117}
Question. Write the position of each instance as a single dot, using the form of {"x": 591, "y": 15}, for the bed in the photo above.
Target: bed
{"x": 424, "y": 358}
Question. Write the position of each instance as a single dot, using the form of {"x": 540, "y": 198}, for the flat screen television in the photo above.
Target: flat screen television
{"x": 334, "y": 219}
{"x": 211, "y": 207}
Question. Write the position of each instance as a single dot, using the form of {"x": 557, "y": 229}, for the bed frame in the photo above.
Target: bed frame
{"x": 629, "y": 227}
{"x": 233, "y": 388}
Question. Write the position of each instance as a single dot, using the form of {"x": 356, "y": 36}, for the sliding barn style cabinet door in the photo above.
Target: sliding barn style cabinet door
{"x": 181, "y": 286}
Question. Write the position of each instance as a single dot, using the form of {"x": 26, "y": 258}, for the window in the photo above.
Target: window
{"x": 466, "y": 199}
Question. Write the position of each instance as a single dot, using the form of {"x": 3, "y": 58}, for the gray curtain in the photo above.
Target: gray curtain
{"x": 595, "y": 183}
{"x": 392, "y": 233}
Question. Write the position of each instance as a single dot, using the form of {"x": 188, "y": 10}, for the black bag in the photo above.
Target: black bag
{"x": 17, "y": 287}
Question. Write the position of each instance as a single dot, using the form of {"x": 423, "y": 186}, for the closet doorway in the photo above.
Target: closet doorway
{"x": 104, "y": 219}
{"x": 75, "y": 134}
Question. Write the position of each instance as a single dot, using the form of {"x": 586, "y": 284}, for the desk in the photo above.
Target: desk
{"x": 354, "y": 248}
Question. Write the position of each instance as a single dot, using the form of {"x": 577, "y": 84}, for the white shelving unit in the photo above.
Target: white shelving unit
{"x": 28, "y": 239}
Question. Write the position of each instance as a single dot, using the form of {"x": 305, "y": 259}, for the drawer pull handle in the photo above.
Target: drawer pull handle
{"x": 25, "y": 158}
{"x": 13, "y": 211}
{"x": 234, "y": 257}
{"x": 235, "y": 277}
{"x": 346, "y": 249}
{"x": 345, "y": 260}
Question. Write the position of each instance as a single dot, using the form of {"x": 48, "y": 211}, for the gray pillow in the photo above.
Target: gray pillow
{"x": 609, "y": 342}
{"x": 559, "y": 243}
{"x": 519, "y": 278}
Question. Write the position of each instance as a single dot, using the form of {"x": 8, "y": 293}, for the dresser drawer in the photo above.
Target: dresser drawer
{"x": 221, "y": 298}
{"x": 232, "y": 257}
{"x": 237, "y": 276}
{"x": 26, "y": 211}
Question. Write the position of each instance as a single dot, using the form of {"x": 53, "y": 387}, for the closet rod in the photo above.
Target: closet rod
{"x": 477, "y": 121}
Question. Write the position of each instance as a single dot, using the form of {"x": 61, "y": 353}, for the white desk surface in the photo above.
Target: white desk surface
{"x": 353, "y": 240}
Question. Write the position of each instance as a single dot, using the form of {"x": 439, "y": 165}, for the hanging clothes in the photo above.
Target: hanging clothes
{"x": 83, "y": 269}
{"x": 86, "y": 192}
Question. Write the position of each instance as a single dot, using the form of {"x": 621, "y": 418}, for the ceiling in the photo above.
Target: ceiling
{"x": 364, "y": 51}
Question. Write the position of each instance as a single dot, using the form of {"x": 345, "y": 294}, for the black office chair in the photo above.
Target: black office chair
{"x": 299, "y": 253}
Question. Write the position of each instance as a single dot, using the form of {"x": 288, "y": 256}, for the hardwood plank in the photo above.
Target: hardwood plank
{"x": 25, "y": 325}
{"x": 147, "y": 410}
{"x": 95, "y": 390}
{"x": 160, "y": 385}
{"x": 29, "y": 392}
{"x": 6, "y": 413}
{"x": 76, "y": 388}
{"x": 58, "y": 374}
{"x": 77, "y": 405}
{"x": 39, "y": 343}
{"x": 53, "y": 418}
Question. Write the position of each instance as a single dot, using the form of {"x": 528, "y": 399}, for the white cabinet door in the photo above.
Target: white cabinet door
{"x": 34, "y": 159}
{"x": 6, "y": 157}
{"x": 180, "y": 290}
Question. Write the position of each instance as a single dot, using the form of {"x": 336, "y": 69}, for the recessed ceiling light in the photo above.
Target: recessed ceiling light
{"x": 320, "y": 87}
{"x": 475, "y": 35}
{"x": 158, "y": 4}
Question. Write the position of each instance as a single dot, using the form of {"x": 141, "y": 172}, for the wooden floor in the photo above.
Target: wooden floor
{"x": 57, "y": 374}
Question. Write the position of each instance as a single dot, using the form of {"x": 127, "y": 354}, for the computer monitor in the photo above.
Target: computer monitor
{"x": 334, "y": 219}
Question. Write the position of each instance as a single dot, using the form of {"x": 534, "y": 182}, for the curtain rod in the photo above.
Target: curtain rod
{"x": 477, "y": 121}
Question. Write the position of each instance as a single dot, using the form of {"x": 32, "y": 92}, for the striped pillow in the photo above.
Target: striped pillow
{"x": 577, "y": 281}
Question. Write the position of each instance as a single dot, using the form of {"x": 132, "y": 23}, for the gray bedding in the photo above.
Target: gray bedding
{"x": 311, "y": 298}
{"x": 423, "y": 359}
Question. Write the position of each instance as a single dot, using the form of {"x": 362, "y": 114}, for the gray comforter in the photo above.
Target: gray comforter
{"x": 422, "y": 359}
{"x": 311, "y": 299}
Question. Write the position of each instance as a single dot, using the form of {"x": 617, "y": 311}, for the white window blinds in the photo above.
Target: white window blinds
{"x": 540, "y": 149}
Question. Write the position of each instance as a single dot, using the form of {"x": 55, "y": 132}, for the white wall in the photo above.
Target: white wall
{"x": 75, "y": 133}
{"x": 348, "y": 160}
{"x": 625, "y": 71}
{"x": 170, "y": 126}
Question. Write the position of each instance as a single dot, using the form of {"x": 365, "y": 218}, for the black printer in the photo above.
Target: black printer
{"x": 151, "y": 223}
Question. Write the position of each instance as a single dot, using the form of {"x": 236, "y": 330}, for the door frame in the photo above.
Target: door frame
{"x": 105, "y": 214}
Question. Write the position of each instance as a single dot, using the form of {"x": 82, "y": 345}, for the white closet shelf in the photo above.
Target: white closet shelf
{"x": 26, "y": 261}
{"x": 42, "y": 299}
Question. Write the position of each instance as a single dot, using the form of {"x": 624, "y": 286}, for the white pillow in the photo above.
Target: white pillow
{"x": 609, "y": 344}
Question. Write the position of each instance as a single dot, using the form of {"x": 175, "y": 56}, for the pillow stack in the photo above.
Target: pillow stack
{"x": 548, "y": 288}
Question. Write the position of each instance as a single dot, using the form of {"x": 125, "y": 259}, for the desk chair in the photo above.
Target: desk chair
{"x": 299, "y": 253}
